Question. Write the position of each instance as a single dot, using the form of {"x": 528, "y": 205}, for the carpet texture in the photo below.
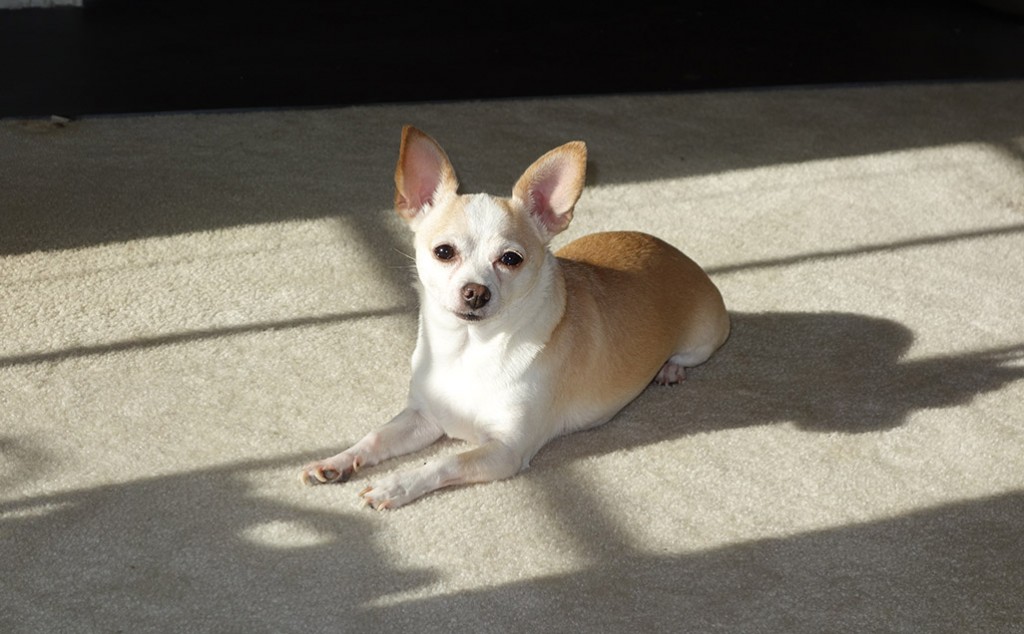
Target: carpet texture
{"x": 194, "y": 305}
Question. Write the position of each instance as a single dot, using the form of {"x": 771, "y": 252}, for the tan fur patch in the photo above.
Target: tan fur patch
{"x": 633, "y": 301}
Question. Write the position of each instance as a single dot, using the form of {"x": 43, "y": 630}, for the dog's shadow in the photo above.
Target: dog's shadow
{"x": 825, "y": 372}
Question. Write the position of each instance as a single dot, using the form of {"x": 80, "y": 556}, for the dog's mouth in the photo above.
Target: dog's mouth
{"x": 468, "y": 316}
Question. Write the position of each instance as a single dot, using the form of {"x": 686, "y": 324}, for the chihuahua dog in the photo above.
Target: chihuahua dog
{"x": 518, "y": 345}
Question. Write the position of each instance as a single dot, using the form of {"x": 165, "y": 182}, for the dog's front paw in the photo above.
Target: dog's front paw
{"x": 389, "y": 493}
{"x": 337, "y": 468}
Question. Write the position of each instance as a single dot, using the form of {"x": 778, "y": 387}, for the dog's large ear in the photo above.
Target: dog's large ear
{"x": 423, "y": 174}
{"x": 550, "y": 187}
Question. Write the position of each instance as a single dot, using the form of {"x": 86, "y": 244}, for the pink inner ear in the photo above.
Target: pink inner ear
{"x": 541, "y": 203}
{"x": 422, "y": 175}
{"x": 548, "y": 198}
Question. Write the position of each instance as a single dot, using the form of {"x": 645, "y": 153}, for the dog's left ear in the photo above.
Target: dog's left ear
{"x": 423, "y": 174}
{"x": 550, "y": 187}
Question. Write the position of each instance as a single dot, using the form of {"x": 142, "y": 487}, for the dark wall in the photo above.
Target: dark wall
{"x": 155, "y": 55}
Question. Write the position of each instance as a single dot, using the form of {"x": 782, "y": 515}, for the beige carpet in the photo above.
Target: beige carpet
{"x": 194, "y": 305}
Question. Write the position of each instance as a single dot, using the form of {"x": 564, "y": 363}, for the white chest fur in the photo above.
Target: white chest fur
{"x": 476, "y": 385}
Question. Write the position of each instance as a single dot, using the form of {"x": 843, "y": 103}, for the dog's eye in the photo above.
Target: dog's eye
{"x": 511, "y": 258}
{"x": 444, "y": 252}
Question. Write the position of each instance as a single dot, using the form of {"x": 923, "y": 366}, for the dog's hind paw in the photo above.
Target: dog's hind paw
{"x": 670, "y": 374}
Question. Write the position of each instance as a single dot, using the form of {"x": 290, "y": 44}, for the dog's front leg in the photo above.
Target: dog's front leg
{"x": 405, "y": 433}
{"x": 491, "y": 461}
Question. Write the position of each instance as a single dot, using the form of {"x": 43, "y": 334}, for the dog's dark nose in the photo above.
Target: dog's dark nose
{"x": 475, "y": 295}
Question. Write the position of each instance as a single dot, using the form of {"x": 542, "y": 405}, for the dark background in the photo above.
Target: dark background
{"x": 115, "y": 56}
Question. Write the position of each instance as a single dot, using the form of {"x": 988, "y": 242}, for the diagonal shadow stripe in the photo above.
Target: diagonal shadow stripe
{"x": 144, "y": 343}
{"x": 867, "y": 250}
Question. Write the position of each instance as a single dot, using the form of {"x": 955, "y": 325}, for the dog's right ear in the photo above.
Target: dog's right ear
{"x": 423, "y": 175}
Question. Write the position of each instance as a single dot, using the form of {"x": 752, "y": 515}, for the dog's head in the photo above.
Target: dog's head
{"x": 476, "y": 255}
